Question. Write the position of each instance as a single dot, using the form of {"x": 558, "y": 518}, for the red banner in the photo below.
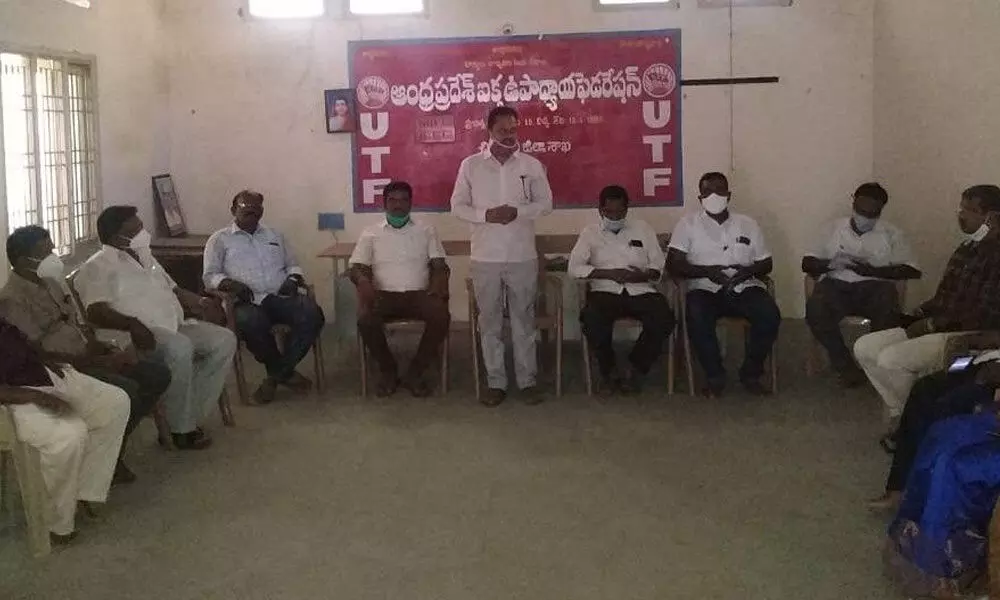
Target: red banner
{"x": 596, "y": 109}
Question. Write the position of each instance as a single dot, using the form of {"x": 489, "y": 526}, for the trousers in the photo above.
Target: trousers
{"x": 754, "y": 304}
{"x": 833, "y": 299}
{"x": 598, "y": 321}
{"x": 199, "y": 356}
{"x": 144, "y": 382}
{"x": 79, "y": 450}
{"x": 514, "y": 286}
{"x": 417, "y": 305}
{"x": 300, "y": 313}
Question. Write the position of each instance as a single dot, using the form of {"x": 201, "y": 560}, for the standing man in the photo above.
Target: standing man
{"x": 856, "y": 264}
{"x": 622, "y": 260}
{"x": 253, "y": 263}
{"x": 37, "y": 302}
{"x": 501, "y": 192}
{"x": 124, "y": 288}
{"x": 399, "y": 269}
{"x": 724, "y": 258}
{"x": 965, "y": 301}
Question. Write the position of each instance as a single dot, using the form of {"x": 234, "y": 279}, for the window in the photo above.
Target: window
{"x": 287, "y": 9}
{"x": 49, "y": 146}
{"x": 741, "y": 3}
{"x": 626, "y": 3}
{"x": 386, "y": 7}
{"x": 80, "y": 3}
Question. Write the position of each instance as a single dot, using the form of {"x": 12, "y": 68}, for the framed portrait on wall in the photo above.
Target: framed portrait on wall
{"x": 168, "y": 206}
{"x": 340, "y": 114}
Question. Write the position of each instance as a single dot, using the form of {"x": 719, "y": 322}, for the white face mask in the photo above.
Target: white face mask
{"x": 714, "y": 204}
{"x": 979, "y": 234}
{"x": 498, "y": 143}
{"x": 51, "y": 267}
{"x": 141, "y": 240}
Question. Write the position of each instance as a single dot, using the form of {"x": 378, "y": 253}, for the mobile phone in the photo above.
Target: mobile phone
{"x": 961, "y": 363}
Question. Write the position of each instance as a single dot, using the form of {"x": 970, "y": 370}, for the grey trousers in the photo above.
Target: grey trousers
{"x": 199, "y": 356}
{"x": 516, "y": 286}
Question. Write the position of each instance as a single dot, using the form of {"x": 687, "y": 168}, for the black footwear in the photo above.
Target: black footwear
{"x": 493, "y": 397}
{"x": 755, "y": 388}
{"x": 387, "y": 386}
{"x": 298, "y": 383}
{"x": 265, "y": 392}
{"x": 61, "y": 540}
{"x": 89, "y": 510}
{"x": 714, "y": 388}
{"x": 608, "y": 386}
{"x": 194, "y": 440}
{"x": 532, "y": 396}
{"x": 631, "y": 384}
{"x": 123, "y": 475}
{"x": 417, "y": 386}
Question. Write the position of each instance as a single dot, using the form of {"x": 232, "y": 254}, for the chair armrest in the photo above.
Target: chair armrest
{"x": 228, "y": 306}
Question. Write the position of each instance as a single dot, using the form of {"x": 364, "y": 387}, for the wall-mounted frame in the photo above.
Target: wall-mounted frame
{"x": 341, "y": 111}
{"x": 168, "y": 207}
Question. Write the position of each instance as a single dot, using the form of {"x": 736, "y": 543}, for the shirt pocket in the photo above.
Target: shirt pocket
{"x": 742, "y": 251}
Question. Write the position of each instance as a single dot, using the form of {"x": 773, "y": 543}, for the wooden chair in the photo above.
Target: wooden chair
{"x": 814, "y": 354}
{"x": 280, "y": 333}
{"x": 681, "y": 301}
{"x": 584, "y": 287}
{"x": 159, "y": 411}
{"x": 34, "y": 497}
{"x": 548, "y": 317}
{"x": 402, "y": 325}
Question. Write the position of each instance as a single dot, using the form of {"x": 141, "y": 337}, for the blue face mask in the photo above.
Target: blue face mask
{"x": 863, "y": 224}
{"x": 613, "y": 225}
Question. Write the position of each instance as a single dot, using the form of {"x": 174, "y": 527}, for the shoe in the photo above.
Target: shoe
{"x": 417, "y": 386}
{"x": 89, "y": 510}
{"x": 493, "y": 397}
{"x": 755, "y": 388}
{"x": 532, "y": 396}
{"x": 851, "y": 378}
{"x": 631, "y": 384}
{"x": 609, "y": 386}
{"x": 193, "y": 440}
{"x": 297, "y": 383}
{"x": 265, "y": 392}
{"x": 714, "y": 388}
{"x": 387, "y": 385}
{"x": 61, "y": 540}
{"x": 123, "y": 475}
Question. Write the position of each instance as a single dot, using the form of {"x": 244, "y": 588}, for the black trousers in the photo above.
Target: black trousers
{"x": 144, "y": 382}
{"x": 254, "y": 322}
{"x": 754, "y": 304}
{"x": 598, "y": 320}
{"x": 832, "y": 300}
{"x": 933, "y": 398}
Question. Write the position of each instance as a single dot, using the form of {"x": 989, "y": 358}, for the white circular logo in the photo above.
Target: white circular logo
{"x": 659, "y": 80}
{"x": 373, "y": 92}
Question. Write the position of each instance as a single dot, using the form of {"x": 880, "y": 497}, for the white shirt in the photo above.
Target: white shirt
{"x": 881, "y": 247}
{"x": 634, "y": 246}
{"x": 261, "y": 260}
{"x": 484, "y": 183}
{"x": 143, "y": 291}
{"x": 737, "y": 241}
{"x": 398, "y": 257}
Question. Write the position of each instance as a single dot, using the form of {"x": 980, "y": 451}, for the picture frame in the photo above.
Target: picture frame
{"x": 341, "y": 113}
{"x": 168, "y": 206}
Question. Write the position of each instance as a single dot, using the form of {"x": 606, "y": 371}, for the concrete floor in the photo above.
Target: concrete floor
{"x": 340, "y": 497}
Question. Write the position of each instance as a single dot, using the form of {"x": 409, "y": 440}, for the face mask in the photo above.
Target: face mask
{"x": 498, "y": 143}
{"x": 862, "y": 223}
{"x": 979, "y": 234}
{"x": 141, "y": 240}
{"x": 714, "y": 204}
{"x": 613, "y": 225}
{"x": 396, "y": 222}
{"x": 50, "y": 268}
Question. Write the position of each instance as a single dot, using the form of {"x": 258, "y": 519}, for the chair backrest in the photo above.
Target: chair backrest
{"x": 7, "y": 431}
{"x": 81, "y": 310}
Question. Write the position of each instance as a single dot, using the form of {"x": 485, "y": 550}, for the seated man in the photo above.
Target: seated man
{"x": 856, "y": 264}
{"x": 723, "y": 257}
{"x": 400, "y": 272}
{"x": 37, "y": 301}
{"x": 622, "y": 260}
{"x": 74, "y": 421}
{"x": 253, "y": 263}
{"x": 123, "y": 287}
{"x": 966, "y": 300}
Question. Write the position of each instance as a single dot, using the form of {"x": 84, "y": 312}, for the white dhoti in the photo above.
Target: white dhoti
{"x": 518, "y": 284}
{"x": 79, "y": 450}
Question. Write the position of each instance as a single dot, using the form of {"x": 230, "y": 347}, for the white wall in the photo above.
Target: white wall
{"x": 126, "y": 38}
{"x": 937, "y": 117}
{"x": 246, "y": 111}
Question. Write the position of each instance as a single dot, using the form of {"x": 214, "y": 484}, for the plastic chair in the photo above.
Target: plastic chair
{"x": 28, "y": 465}
{"x": 681, "y": 301}
{"x": 814, "y": 353}
{"x": 280, "y": 333}
{"x": 547, "y": 318}
{"x": 398, "y": 325}
{"x": 583, "y": 288}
